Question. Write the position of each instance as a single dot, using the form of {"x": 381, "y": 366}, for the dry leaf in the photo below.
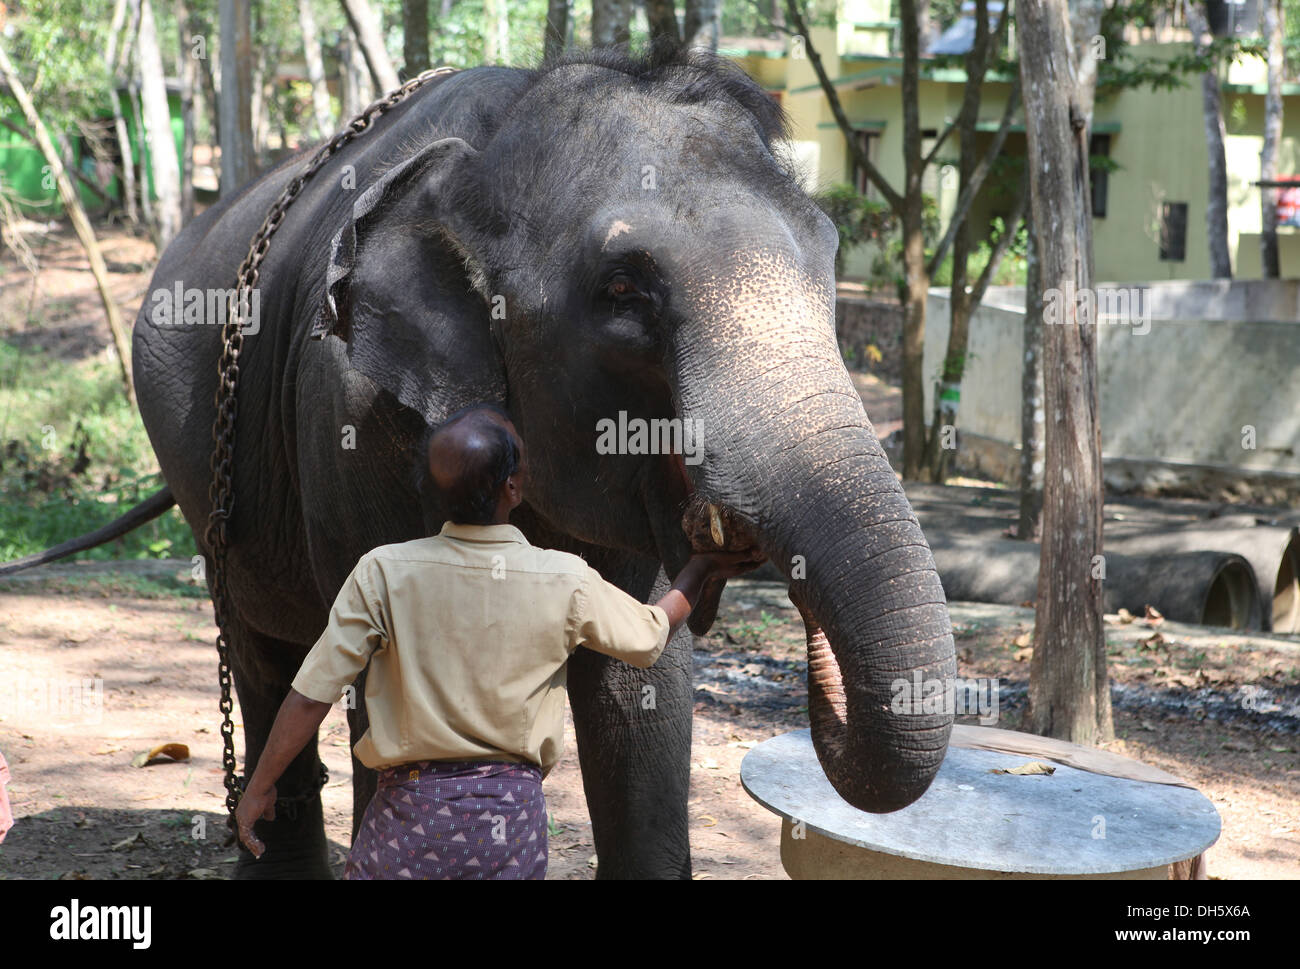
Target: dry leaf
{"x": 170, "y": 751}
{"x": 1033, "y": 767}
{"x": 1154, "y": 641}
{"x": 700, "y": 876}
{"x": 1023, "y": 655}
{"x": 591, "y": 862}
{"x": 1024, "y": 639}
{"x": 1125, "y": 616}
{"x": 1153, "y": 616}
{"x": 709, "y": 819}
{"x": 203, "y": 874}
{"x": 136, "y": 840}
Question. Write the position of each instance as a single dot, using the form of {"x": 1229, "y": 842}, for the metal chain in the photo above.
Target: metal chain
{"x": 221, "y": 493}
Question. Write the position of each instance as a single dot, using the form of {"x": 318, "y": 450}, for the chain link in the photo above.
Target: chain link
{"x": 221, "y": 493}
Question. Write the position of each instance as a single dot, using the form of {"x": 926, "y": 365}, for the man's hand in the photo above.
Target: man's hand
{"x": 728, "y": 565}
{"x": 701, "y": 568}
{"x": 254, "y": 806}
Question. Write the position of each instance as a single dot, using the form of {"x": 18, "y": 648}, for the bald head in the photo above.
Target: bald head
{"x": 474, "y": 459}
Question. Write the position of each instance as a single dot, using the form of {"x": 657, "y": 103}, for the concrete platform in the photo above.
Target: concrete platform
{"x": 976, "y": 824}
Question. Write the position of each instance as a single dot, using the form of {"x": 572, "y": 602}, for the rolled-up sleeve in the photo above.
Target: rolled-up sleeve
{"x": 357, "y": 627}
{"x": 605, "y": 618}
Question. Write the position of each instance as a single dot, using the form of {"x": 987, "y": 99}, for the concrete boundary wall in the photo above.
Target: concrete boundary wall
{"x": 1187, "y": 385}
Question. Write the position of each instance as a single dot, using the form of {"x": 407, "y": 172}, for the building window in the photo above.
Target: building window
{"x": 867, "y": 141}
{"x": 1173, "y": 231}
{"x": 1099, "y": 148}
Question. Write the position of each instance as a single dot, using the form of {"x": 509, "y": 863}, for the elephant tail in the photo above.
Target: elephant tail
{"x": 145, "y": 512}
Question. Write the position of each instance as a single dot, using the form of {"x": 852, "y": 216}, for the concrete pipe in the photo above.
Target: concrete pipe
{"x": 1204, "y": 587}
{"x": 1273, "y": 552}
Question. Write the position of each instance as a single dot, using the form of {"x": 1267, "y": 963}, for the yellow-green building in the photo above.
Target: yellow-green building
{"x": 1149, "y": 213}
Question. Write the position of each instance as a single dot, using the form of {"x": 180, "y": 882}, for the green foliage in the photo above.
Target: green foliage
{"x": 74, "y": 456}
{"x": 886, "y": 271}
{"x": 858, "y": 219}
{"x": 1009, "y": 272}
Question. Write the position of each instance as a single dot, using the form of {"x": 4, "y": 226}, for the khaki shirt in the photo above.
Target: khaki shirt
{"x": 467, "y": 634}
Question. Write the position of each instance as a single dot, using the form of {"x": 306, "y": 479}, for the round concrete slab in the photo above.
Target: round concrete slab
{"x": 1067, "y": 823}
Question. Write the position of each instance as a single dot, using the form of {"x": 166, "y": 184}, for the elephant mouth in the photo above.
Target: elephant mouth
{"x": 714, "y": 528}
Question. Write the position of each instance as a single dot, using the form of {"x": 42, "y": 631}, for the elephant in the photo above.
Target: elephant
{"x": 610, "y": 236}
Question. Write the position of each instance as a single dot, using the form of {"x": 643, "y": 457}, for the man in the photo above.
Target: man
{"x": 467, "y": 634}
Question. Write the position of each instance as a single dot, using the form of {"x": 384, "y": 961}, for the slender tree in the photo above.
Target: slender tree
{"x": 322, "y": 114}
{"x": 1069, "y": 691}
{"x": 557, "y": 26}
{"x": 496, "y": 32}
{"x": 611, "y": 22}
{"x": 702, "y": 24}
{"x": 114, "y": 60}
{"x": 187, "y": 72}
{"x": 1274, "y": 31}
{"x": 72, "y": 206}
{"x": 1216, "y": 207}
{"x": 163, "y": 162}
{"x": 965, "y": 296}
{"x": 365, "y": 25}
{"x": 661, "y": 17}
{"x": 1031, "y": 394}
{"x": 415, "y": 36}
{"x": 238, "y": 164}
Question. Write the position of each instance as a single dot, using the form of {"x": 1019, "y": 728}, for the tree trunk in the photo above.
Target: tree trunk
{"x": 186, "y": 70}
{"x": 702, "y": 24}
{"x": 366, "y": 28}
{"x": 611, "y": 22}
{"x": 1216, "y": 207}
{"x": 237, "y": 160}
{"x": 208, "y": 84}
{"x": 915, "y": 274}
{"x": 1274, "y": 30}
{"x": 111, "y": 60}
{"x": 146, "y": 202}
{"x": 1069, "y": 692}
{"x": 557, "y": 27}
{"x": 72, "y": 205}
{"x": 163, "y": 163}
{"x": 259, "y": 110}
{"x": 322, "y": 114}
{"x": 947, "y": 392}
{"x": 496, "y": 32}
{"x": 661, "y": 17}
{"x": 1031, "y": 396}
{"x": 415, "y": 36}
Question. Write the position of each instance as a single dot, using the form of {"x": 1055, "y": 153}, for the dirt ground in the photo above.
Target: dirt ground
{"x": 84, "y": 811}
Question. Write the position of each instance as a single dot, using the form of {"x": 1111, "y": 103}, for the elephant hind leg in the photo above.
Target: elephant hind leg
{"x": 263, "y": 669}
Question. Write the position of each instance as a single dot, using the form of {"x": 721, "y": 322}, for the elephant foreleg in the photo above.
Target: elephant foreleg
{"x": 634, "y": 744}
{"x": 263, "y": 669}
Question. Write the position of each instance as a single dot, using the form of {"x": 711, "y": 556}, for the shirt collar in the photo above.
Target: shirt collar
{"x": 483, "y": 533}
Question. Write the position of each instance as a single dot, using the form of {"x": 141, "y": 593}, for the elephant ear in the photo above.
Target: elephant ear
{"x": 398, "y": 292}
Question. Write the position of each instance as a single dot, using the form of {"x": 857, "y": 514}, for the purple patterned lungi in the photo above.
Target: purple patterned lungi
{"x": 453, "y": 820}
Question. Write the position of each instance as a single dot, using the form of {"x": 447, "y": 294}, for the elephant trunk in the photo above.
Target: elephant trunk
{"x": 876, "y": 622}
{"x": 795, "y": 468}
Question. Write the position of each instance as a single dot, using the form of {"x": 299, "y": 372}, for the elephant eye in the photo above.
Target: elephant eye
{"x": 623, "y": 289}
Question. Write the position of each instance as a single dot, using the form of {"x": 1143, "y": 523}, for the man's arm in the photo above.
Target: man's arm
{"x": 606, "y": 619}
{"x": 357, "y": 626}
{"x": 702, "y": 567}
{"x": 296, "y": 723}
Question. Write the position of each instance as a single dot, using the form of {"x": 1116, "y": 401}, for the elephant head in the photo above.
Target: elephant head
{"x": 631, "y": 247}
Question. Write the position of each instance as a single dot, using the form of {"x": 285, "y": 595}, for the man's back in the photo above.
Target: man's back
{"x": 467, "y": 633}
